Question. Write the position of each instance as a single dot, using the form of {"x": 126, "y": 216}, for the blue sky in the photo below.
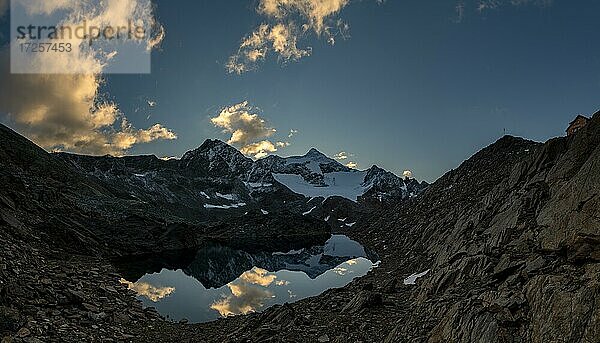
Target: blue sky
{"x": 415, "y": 85}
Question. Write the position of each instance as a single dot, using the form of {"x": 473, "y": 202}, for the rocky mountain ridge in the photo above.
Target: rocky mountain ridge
{"x": 508, "y": 246}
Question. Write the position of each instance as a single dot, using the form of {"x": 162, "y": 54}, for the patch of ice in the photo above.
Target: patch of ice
{"x": 411, "y": 280}
{"x": 309, "y": 211}
{"x": 291, "y": 252}
{"x": 230, "y": 197}
{"x": 348, "y": 185}
{"x": 225, "y": 207}
{"x": 257, "y": 184}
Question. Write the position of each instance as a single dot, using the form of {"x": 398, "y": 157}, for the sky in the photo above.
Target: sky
{"x": 403, "y": 84}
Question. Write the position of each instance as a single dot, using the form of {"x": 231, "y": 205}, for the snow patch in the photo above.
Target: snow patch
{"x": 230, "y": 197}
{"x": 291, "y": 252}
{"x": 348, "y": 185}
{"x": 225, "y": 207}
{"x": 411, "y": 280}
{"x": 264, "y": 212}
{"x": 257, "y": 184}
{"x": 309, "y": 211}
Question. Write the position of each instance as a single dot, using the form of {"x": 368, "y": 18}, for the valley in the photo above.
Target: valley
{"x": 490, "y": 251}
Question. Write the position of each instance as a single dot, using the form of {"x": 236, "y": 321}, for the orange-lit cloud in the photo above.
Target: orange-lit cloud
{"x": 248, "y": 130}
{"x": 249, "y": 293}
{"x": 287, "y": 22}
{"x": 149, "y": 291}
{"x": 67, "y": 111}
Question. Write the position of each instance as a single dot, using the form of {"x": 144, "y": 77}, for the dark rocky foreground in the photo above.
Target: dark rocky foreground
{"x": 511, "y": 239}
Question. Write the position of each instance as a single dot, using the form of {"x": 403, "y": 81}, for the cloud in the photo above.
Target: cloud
{"x": 280, "y": 38}
{"x": 481, "y": 6}
{"x": 244, "y": 125}
{"x": 67, "y": 112}
{"x": 248, "y": 293}
{"x": 248, "y": 130}
{"x": 292, "y": 133}
{"x": 258, "y": 276}
{"x": 149, "y": 291}
{"x": 287, "y": 21}
{"x": 340, "y": 156}
{"x": 315, "y": 11}
{"x": 460, "y": 11}
{"x": 407, "y": 174}
{"x": 259, "y": 149}
{"x": 352, "y": 165}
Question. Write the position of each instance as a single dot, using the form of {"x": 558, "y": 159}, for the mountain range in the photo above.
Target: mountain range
{"x": 503, "y": 248}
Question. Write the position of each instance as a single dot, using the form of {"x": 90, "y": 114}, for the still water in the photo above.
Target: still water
{"x": 221, "y": 281}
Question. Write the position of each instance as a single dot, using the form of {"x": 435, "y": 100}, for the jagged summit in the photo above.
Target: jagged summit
{"x": 216, "y": 157}
{"x": 313, "y": 152}
{"x": 214, "y": 143}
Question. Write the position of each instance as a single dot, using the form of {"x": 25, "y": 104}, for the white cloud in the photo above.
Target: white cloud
{"x": 460, "y": 11}
{"x": 248, "y": 130}
{"x": 287, "y": 22}
{"x": 248, "y": 293}
{"x": 314, "y": 11}
{"x": 259, "y": 149}
{"x": 66, "y": 111}
{"x": 292, "y": 133}
{"x": 352, "y": 165}
{"x": 342, "y": 155}
{"x": 280, "y": 38}
{"x": 407, "y": 174}
{"x": 244, "y": 125}
{"x": 154, "y": 293}
{"x": 481, "y": 6}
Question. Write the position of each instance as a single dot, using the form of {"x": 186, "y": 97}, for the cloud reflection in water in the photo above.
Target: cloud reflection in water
{"x": 149, "y": 291}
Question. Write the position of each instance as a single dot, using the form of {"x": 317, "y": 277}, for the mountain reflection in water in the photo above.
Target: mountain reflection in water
{"x": 222, "y": 282}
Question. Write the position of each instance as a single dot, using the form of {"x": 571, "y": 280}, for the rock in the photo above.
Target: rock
{"x": 23, "y": 332}
{"x": 121, "y": 318}
{"x": 9, "y": 319}
{"x": 368, "y": 286}
{"x": 75, "y": 297}
{"x": 535, "y": 265}
{"x": 323, "y": 339}
{"x": 389, "y": 286}
{"x": 364, "y": 299}
{"x": 90, "y": 307}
